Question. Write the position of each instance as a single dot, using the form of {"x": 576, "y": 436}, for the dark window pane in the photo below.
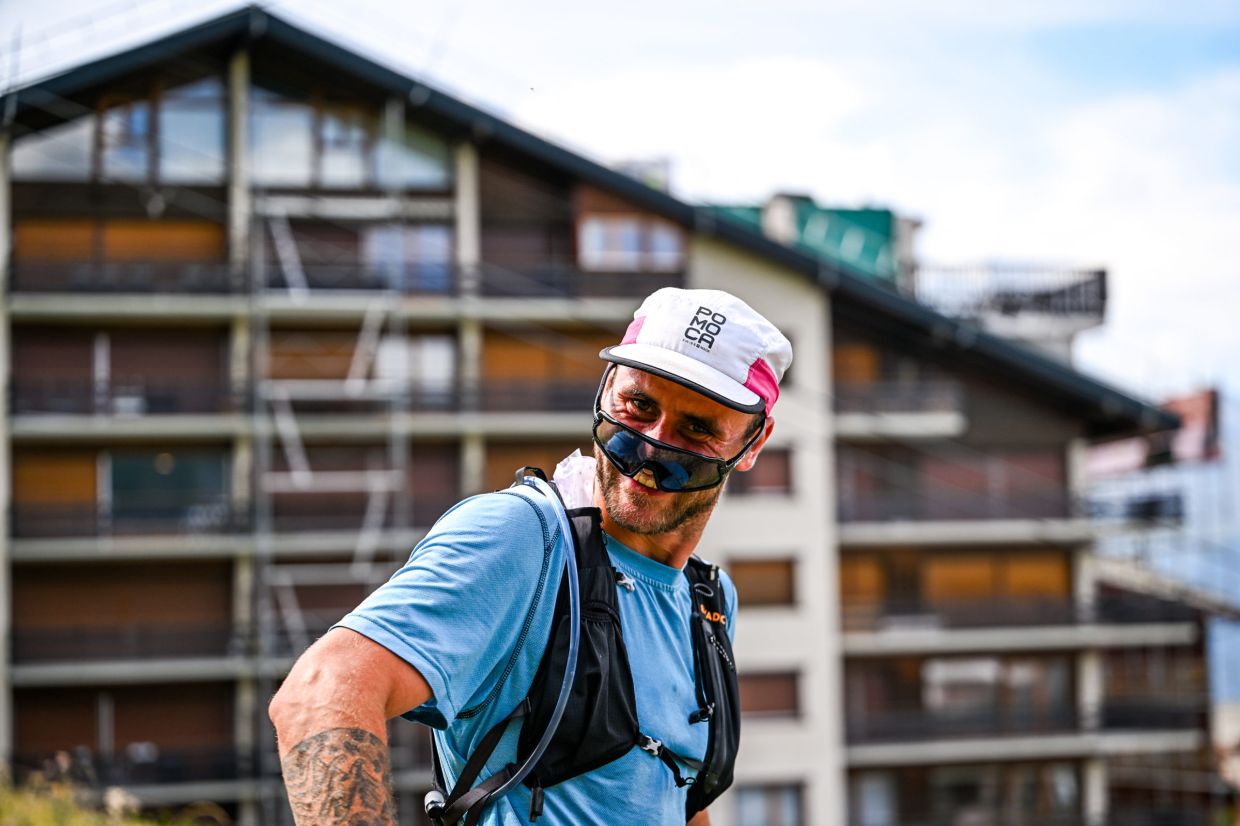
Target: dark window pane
{"x": 182, "y": 488}
{"x": 763, "y": 581}
{"x": 769, "y": 694}
{"x": 772, "y": 473}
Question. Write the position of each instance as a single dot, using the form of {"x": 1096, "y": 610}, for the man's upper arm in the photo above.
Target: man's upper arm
{"x": 376, "y": 669}
{"x": 344, "y": 681}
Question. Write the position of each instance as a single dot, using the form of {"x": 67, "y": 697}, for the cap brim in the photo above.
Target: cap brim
{"x": 686, "y": 371}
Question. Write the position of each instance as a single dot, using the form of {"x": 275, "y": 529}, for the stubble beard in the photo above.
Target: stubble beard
{"x": 663, "y": 514}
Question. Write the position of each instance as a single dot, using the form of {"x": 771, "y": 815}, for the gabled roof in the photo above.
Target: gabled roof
{"x": 1108, "y": 411}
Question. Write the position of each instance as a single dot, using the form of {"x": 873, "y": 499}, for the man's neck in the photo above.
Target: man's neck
{"x": 672, "y": 548}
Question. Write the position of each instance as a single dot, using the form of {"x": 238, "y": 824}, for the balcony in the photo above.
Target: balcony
{"x": 142, "y": 763}
{"x": 206, "y": 277}
{"x": 128, "y": 642}
{"x": 428, "y": 279}
{"x": 1153, "y": 712}
{"x": 329, "y": 512}
{"x": 210, "y": 515}
{"x": 881, "y": 397}
{"x": 945, "y": 504}
{"x": 917, "y": 725}
{"x": 979, "y": 816}
{"x": 1009, "y": 612}
{"x": 544, "y": 279}
{"x": 137, "y": 397}
{"x": 537, "y": 396}
{"x": 1009, "y": 291}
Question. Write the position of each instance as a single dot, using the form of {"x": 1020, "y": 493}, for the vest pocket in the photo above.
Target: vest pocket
{"x": 600, "y": 721}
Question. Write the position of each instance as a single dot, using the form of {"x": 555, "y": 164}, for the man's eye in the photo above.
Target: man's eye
{"x": 641, "y": 404}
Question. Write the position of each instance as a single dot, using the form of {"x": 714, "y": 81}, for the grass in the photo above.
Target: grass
{"x": 54, "y": 806}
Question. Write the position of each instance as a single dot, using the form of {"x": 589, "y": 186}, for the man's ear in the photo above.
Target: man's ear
{"x": 752, "y": 456}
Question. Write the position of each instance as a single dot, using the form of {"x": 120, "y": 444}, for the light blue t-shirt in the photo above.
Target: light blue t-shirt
{"x": 471, "y": 611}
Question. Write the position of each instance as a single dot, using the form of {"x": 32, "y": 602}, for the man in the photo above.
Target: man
{"x": 454, "y": 639}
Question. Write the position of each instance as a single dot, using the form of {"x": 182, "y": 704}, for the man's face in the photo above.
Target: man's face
{"x": 678, "y": 416}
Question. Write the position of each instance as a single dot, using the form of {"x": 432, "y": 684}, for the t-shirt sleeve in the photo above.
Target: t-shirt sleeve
{"x": 461, "y": 607}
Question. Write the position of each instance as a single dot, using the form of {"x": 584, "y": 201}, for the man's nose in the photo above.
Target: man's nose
{"x": 662, "y": 430}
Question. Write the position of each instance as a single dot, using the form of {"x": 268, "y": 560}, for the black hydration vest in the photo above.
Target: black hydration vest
{"x": 600, "y": 721}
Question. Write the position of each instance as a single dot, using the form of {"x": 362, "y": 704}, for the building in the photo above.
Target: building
{"x": 271, "y": 307}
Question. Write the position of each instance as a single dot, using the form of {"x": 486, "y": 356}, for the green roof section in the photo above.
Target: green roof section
{"x": 862, "y": 240}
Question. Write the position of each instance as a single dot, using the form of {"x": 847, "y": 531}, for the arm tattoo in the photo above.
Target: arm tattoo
{"x": 340, "y": 777}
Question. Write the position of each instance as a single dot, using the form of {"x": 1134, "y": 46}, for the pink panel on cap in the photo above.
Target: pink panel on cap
{"x": 630, "y": 335}
{"x": 761, "y": 380}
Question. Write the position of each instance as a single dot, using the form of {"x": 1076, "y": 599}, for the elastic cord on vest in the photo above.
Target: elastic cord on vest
{"x": 574, "y": 637}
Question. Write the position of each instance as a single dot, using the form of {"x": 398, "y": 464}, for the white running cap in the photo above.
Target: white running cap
{"x": 709, "y": 341}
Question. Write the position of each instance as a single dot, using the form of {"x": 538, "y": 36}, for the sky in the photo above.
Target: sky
{"x": 1064, "y": 132}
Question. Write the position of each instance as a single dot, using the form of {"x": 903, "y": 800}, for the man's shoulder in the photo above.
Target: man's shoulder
{"x": 506, "y": 516}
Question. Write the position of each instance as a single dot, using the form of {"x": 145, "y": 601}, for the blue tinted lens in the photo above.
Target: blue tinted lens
{"x": 673, "y": 469}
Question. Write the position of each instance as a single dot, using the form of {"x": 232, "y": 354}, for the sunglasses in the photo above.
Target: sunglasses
{"x": 675, "y": 470}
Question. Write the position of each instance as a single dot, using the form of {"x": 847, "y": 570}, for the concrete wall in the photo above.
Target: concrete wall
{"x": 804, "y": 637}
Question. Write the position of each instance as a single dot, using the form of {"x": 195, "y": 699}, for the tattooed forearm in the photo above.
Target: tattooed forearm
{"x": 340, "y": 776}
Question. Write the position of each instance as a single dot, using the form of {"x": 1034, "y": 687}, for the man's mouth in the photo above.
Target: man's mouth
{"x": 645, "y": 478}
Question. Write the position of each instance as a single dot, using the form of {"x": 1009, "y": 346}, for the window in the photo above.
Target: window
{"x": 191, "y": 133}
{"x": 281, "y": 141}
{"x": 770, "y": 695}
{"x": 417, "y": 159}
{"x": 346, "y": 135}
{"x": 177, "y": 489}
{"x": 124, "y": 138}
{"x": 874, "y": 799}
{"x": 629, "y": 243}
{"x": 426, "y": 364}
{"x": 296, "y": 143}
{"x": 175, "y": 135}
{"x": 416, "y": 258}
{"x": 772, "y": 805}
{"x": 763, "y": 581}
{"x": 61, "y": 153}
{"x": 771, "y": 474}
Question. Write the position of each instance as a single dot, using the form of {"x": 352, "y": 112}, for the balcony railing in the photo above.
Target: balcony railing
{"x": 974, "y": 292}
{"x": 949, "y": 505}
{"x": 488, "y": 395}
{"x": 899, "y": 397}
{"x": 141, "y": 763}
{"x": 551, "y": 280}
{"x": 1009, "y": 612}
{"x": 138, "y": 397}
{"x": 128, "y": 642}
{"x": 424, "y": 279}
{"x": 1143, "y": 713}
{"x": 980, "y": 816}
{"x": 311, "y": 512}
{"x": 1162, "y": 816}
{"x": 545, "y": 396}
{"x": 120, "y": 277}
{"x": 915, "y": 725}
{"x": 912, "y": 725}
{"x": 202, "y": 516}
